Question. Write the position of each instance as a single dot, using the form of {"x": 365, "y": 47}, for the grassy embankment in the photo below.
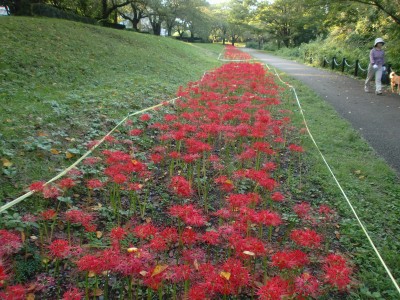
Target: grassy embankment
{"x": 65, "y": 83}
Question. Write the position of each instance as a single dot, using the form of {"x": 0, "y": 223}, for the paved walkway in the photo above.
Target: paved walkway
{"x": 377, "y": 118}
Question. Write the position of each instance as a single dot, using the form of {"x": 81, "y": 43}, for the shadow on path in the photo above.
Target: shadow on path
{"x": 377, "y": 118}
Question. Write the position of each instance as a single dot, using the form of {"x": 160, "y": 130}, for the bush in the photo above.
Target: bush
{"x": 39, "y": 9}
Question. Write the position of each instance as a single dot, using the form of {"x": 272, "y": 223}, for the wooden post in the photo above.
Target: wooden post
{"x": 343, "y": 64}
{"x": 356, "y": 68}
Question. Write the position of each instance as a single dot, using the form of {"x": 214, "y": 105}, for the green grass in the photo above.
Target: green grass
{"x": 64, "y": 83}
{"x": 370, "y": 184}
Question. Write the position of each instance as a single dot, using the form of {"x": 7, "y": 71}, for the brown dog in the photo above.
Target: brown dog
{"x": 395, "y": 80}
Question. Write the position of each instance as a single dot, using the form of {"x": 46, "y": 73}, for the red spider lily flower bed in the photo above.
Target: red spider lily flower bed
{"x": 233, "y": 53}
{"x": 191, "y": 202}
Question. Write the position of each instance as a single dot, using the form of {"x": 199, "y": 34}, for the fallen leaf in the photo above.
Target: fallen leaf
{"x": 249, "y": 253}
{"x": 132, "y": 249}
{"x": 97, "y": 292}
{"x": 337, "y": 233}
{"x": 68, "y": 155}
{"x": 158, "y": 269}
{"x": 99, "y": 234}
{"x": 143, "y": 273}
{"x": 196, "y": 264}
{"x": 91, "y": 274}
{"x": 30, "y": 296}
{"x": 54, "y": 151}
{"x": 23, "y": 237}
{"x": 6, "y": 162}
{"x": 225, "y": 275}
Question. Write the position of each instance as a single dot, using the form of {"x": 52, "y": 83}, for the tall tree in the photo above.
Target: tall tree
{"x": 135, "y": 11}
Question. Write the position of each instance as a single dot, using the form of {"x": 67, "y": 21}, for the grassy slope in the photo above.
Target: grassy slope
{"x": 370, "y": 184}
{"x": 64, "y": 83}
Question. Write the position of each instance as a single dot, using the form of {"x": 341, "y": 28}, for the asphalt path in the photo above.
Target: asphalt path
{"x": 377, "y": 118}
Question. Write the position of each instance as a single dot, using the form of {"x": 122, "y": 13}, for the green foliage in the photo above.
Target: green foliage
{"x": 40, "y": 9}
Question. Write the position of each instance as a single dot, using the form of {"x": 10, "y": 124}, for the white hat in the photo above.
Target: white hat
{"x": 379, "y": 40}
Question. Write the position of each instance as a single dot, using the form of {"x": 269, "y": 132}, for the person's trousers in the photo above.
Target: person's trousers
{"x": 378, "y": 77}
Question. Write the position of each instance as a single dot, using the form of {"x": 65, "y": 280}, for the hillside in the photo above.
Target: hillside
{"x": 64, "y": 83}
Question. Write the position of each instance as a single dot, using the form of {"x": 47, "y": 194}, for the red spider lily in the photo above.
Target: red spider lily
{"x": 9, "y": 243}
{"x": 66, "y": 183}
{"x": 307, "y": 285}
{"x": 118, "y": 233}
{"x": 267, "y": 218}
{"x": 326, "y": 211}
{"x": 90, "y": 161}
{"x": 135, "y": 132}
{"x": 198, "y": 292}
{"x": 145, "y": 117}
{"x": 119, "y": 178}
{"x": 94, "y": 184}
{"x": 76, "y": 216}
{"x": 196, "y": 146}
{"x": 29, "y": 218}
{"x": 290, "y": 259}
{"x": 306, "y": 238}
{"x": 91, "y": 263}
{"x": 224, "y": 183}
{"x": 73, "y": 294}
{"x": 232, "y": 277}
{"x": 188, "y": 214}
{"x": 132, "y": 263}
{"x": 223, "y": 213}
{"x": 181, "y": 186}
{"x": 295, "y": 148}
{"x": 132, "y": 186}
{"x": 145, "y": 231}
{"x": 275, "y": 288}
{"x": 302, "y": 210}
{"x": 210, "y": 237}
{"x": 50, "y": 192}
{"x": 37, "y": 186}
{"x": 189, "y": 236}
{"x": 178, "y": 273}
{"x": 156, "y": 158}
{"x": 158, "y": 244}
{"x": 74, "y": 173}
{"x": 189, "y": 158}
{"x": 248, "y": 247}
{"x": 60, "y": 249}
{"x": 277, "y": 197}
{"x": 49, "y": 214}
{"x": 243, "y": 200}
{"x": 174, "y": 155}
{"x": 13, "y": 292}
{"x": 337, "y": 273}
{"x": 259, "y": 176}
{"x": 3, "y": 275}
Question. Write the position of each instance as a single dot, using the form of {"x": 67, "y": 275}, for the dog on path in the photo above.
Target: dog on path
{"x": 395, "y": 80}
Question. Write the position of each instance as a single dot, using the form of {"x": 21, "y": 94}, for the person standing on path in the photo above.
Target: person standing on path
{"x": 376, "y": 66}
